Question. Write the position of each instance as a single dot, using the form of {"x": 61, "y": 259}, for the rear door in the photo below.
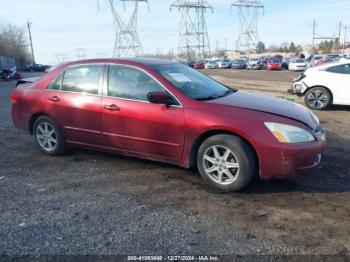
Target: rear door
{"x": 132, "y": 124}
{"x": 73, "y": 99}
{"x": 338, "y": 80}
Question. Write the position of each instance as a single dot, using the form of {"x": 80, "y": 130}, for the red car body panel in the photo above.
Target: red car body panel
{"x": 199, "y": 66}
{"x": 167, "y": 133}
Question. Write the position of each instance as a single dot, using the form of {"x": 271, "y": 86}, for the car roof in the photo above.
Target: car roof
{"x": 135, "y": 60}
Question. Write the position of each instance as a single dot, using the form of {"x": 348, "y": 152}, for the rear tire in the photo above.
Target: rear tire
{"x": 226, "y": 162}
{"x": 48, "y": 136}
{"x": 318, "y": 98}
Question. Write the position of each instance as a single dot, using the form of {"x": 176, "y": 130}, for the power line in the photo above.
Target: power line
{"x": 193, "y": 32}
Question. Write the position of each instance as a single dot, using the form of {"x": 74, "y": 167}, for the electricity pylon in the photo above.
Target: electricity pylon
{"x": 193, "y": 33}
{"x": 127, "y": 42}
{"x": 248, "y": 13}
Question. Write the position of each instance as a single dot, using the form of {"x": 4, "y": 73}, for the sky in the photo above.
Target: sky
{"x": 62, "y": 26}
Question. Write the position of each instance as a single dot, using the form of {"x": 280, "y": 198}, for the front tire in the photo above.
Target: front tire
{"x": 317, "y": 98}
{"x": 48, "y": 136}
{"x": 226, "y": 162}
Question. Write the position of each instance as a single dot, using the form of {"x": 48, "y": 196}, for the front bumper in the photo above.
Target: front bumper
{"x": 290, "y": 159}
{"x": 298, "y": 88}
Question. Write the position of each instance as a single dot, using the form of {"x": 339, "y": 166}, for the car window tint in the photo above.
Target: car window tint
{"x": 131, "y": 83}
{"x": 340, "y": 69}
{"x": 82, "y": 79}
{"x": 57, "y": 83}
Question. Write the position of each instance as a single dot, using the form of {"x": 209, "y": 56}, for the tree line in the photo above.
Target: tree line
{"x": 283, "y": 48}
{"x": 13, "y": 43}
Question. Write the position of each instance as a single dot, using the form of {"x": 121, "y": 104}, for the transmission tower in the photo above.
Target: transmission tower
{"x": 127, "y": 42}
{"x": 193, "y": 33}
{"x": 248, "y": 13}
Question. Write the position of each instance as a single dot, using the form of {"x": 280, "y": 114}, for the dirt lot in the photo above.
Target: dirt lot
{"x": 94, "y": 203}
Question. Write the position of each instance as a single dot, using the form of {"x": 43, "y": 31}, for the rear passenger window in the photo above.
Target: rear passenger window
{"x": 57, "y": 83}
{"x": 131, "y": 83}
{"x": 82, "y": 79}
{"x": 341, "y": 69}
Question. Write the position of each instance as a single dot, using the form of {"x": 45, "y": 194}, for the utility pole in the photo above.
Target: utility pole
{"x": 80, "y": 53}
{"x": 340, "y": 28}
{"x": 313, "y": 34}
{"x": 225, "y": 44}
{"x": 344, "y": 44}
{"x": 31, "y": 42}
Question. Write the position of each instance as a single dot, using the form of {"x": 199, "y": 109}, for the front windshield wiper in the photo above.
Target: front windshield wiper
{"x": 226, "y": 93}
{"x": 207, "y": 98}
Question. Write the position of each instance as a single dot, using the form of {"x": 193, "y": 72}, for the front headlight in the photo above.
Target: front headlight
{"x": 299, "y": 77}
{"x": 289, "y": 134}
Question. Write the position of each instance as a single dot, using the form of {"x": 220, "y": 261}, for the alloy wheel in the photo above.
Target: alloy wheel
{"x": 46, "y": 136}
{"x": 317, "y": 99}
{"x": 221, "y": 164}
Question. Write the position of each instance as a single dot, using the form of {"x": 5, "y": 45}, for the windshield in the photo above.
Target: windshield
{"x": 274, "y": 61}
{"x": 298, "y": 61}
{"x": 191, "y": 82}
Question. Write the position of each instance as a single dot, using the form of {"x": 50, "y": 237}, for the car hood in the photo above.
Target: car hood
{"x": 298, "y": 64}
{"x": 269, "y": 105}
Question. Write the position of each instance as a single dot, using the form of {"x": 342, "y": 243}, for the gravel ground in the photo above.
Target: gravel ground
{"x": 101, "y": 204}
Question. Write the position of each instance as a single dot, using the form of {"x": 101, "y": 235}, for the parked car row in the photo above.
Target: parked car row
{"x": 276, "y": 62}
{"x": 269, "y": 63}
{"x": 36, "y": 68}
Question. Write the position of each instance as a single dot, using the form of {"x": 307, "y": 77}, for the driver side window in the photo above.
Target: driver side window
{"x": 131, "y": 83}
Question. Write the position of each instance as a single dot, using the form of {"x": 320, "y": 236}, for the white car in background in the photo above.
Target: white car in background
{"x": 224, "y": 64}
{"x": 324, "y": 85}
{"x": 297, "y": 64}
{"x": 210, "y": 65}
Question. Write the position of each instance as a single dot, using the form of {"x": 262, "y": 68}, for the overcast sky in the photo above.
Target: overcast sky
{"x": 61, "y": 26}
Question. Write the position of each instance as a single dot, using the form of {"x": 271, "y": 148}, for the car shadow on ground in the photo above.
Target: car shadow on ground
{"x": 331, "y": 176}
{"x": 338, "y": 108}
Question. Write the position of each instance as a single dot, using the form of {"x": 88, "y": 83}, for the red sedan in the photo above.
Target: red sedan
{"x": 170, "y": 112}
{"x": 274, "y": 64}
{"x": 199, "y": 65}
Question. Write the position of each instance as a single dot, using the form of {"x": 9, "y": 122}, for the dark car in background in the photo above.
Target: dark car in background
{"x": 239, "y": 64}
{"x": 36, "y": 68}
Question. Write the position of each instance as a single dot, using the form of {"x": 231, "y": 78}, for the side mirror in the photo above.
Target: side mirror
{"x": 159, "y": 98}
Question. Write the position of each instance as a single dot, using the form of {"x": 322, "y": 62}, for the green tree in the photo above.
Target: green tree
{"x": 13, "y": 43}
{"x": 292, "y": 47}
{"x": 260, "y": 47}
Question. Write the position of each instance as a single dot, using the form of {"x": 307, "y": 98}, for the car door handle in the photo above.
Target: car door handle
{"x": 112, "y": 107}
{"x": 54, "y": 99}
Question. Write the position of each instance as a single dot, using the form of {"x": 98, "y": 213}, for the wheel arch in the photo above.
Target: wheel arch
{"x": 314, "y": 86}
{"x": 202, "y": 137}
{"x": 32, "y": 120}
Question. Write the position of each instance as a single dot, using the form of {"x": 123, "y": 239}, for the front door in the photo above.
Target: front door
{"x": 132, "y": 124}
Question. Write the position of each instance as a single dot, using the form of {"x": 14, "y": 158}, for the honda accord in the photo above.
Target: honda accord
{"x": 169, "y": 112}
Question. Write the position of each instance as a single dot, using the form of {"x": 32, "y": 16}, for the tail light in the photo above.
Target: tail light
{"x": 14, "y": 99}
